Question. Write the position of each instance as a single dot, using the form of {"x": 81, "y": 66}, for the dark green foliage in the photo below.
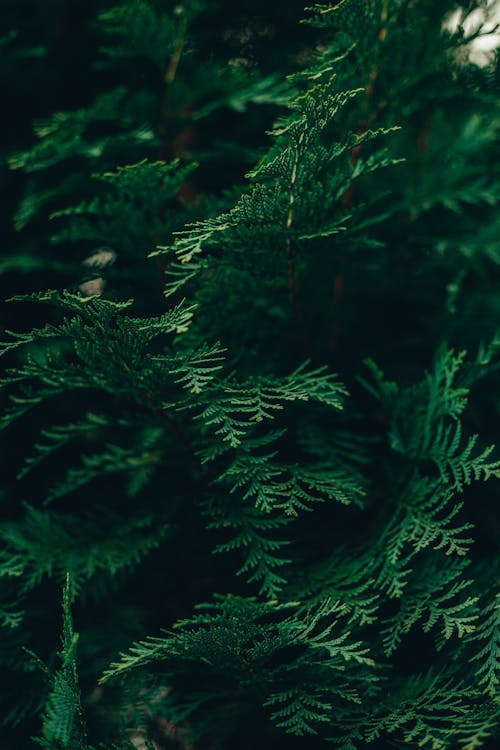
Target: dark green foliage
{"x": 248, "y": 422}
{"x": 63, "y": 723}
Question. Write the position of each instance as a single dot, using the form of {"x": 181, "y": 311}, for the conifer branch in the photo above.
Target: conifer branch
{"x": 344, "y": 522}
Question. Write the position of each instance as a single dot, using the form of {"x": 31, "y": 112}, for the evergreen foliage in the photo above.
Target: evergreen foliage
{"x": 248, "y": 391}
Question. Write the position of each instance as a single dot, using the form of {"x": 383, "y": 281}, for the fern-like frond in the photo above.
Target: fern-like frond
{"x": 486, "y": 638}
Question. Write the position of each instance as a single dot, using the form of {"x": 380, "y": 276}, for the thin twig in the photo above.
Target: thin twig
{"x": 347, "y": 198}
{"x": 175, "y": 426}
{"x": 291, "y": 250}
{"x": 169, "y": 79}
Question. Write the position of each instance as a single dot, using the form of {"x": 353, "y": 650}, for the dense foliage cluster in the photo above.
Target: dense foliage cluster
{"x": 249, "y": 376}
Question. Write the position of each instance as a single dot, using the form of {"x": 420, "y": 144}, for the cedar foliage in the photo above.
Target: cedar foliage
{"x": 250, "y": 361}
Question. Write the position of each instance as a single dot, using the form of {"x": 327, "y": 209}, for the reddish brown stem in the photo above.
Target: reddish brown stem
{"x": 147, "y": 399}
{"x": 347, "y": 198}
{"x": 338, "y": 298}
{"x": 184, "y": 440}
{"x": 291, "y": 253}
{"x": 176, "y": 428}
